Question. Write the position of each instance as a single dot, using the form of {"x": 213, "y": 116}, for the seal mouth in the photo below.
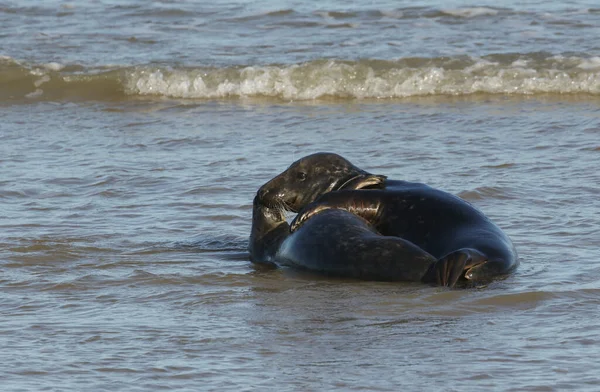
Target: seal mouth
{"x": 274, "y": 211}
{"x": 275, "y": 203}
{"x": 280, "y": 209}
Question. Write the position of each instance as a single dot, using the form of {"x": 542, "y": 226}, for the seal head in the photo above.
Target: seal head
{"x": 312, "y": 176}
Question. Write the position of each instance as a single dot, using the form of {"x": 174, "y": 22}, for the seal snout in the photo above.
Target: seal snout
{"x": 267, "y": 196}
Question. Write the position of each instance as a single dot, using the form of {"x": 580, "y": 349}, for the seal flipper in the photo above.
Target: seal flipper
{"x": 449, "y": 269}
{"x": 346, "y": 199}
{"x": 363, "y": 181}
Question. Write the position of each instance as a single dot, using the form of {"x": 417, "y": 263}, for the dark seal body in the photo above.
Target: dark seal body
{"x": 467, "y": 245}
{"x": 335, "y": 242}
{"x": 338, "y": 243}
{"x": 435, "y": 221}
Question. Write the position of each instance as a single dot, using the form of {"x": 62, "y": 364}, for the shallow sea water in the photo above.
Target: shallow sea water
{"x": 125, "y": 212}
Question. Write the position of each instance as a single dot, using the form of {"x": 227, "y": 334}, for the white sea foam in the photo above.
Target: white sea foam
{"x": 36, "y": 94}
{"x": 53, "y": 66}
{"x": 361, "y": 80}
{"x": 591, "y": 63}
{"x": 519, "y": 63}
{"x": 42, "y": 80}
{"x": 470, "y": 12}
{"x": 331, "y": 79}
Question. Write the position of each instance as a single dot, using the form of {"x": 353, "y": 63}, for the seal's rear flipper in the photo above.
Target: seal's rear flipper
{"x": 450, "y": 268}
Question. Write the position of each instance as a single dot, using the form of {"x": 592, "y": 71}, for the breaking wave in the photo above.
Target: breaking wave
{"x": 514, "y": 74}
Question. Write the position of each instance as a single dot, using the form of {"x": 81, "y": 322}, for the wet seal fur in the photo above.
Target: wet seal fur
{"x": 459, "y": 242}
{"x": 335, "y": 242}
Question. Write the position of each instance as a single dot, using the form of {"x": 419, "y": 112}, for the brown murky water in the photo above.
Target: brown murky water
{"x": 124, "y": 263}
{"x": 130, "y": 153}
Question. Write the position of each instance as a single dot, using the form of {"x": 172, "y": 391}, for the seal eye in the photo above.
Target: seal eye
{"x": 301, "y": 176}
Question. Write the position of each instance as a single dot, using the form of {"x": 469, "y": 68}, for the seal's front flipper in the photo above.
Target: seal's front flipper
{"x": 353, "y": 201}
{"x": 449, "y": 269}
{"x": 364, "y": 181}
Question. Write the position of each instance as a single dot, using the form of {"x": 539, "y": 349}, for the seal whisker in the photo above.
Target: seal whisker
{"x": 283, "y": 210}
{"x": 287, "y": 210}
